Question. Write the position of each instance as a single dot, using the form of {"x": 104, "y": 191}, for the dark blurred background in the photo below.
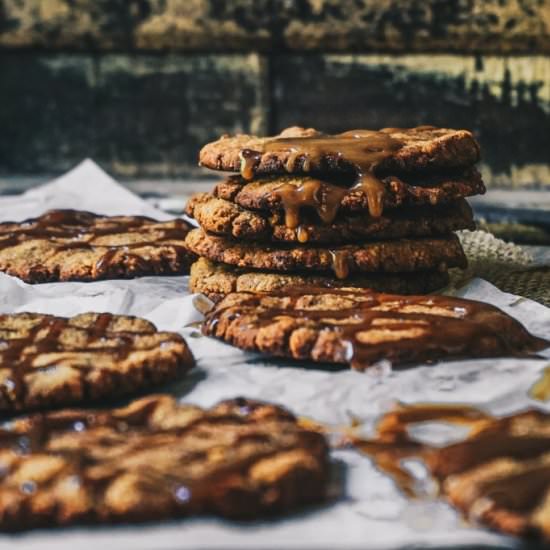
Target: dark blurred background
{"x": 140, "y": 85}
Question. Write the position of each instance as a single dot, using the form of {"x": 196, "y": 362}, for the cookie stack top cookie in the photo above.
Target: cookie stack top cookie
{"x": 341, "y": 207}
{"x": 355, "y": 171}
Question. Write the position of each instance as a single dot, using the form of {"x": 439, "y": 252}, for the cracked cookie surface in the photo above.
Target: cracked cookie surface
{"x": 156, "y": 459}
{"x": 228, "y": 219}
{"x": 72, "y": 245}
{"x": 263, "y": 193}
{"x": 423, "y": 148}
{"x": 361, "y": 327}
{"x": 48, "y": 361}
{"x": 369, "y": 257}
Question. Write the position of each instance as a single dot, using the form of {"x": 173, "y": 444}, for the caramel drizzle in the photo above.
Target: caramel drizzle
{"x": 392, "y": 443}
{"x": 522, "y": 436}
{"x": 326, "y": 200}
{"x": 540, "y": 390}
{"x": 80, "y": 228}
{"x": 434, "y": 335}
{"x": 19, "y": 354}
{"x": 274, "y": 433}
{"x": 340, "y": 263}
{"x": 363, "y": 150}
{"x": 302, "y": 234}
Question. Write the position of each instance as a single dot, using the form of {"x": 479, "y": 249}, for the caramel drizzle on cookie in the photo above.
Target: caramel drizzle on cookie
{"x": 18, "y": 355}
{"x": 363, "y": 150}
{"x": 340, "y": 263}
{"x": 395, "y": 328}
{"x": 208, "y": 450}
{"x": 74, "y": 229}
{"x": 391, "y": 443}
{"x": 498, "y": 474}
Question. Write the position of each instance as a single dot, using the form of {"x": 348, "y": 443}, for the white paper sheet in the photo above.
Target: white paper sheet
{"x": 371, "y": 513}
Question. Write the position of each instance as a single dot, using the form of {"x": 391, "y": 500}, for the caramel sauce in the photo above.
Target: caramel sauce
{"x": 393, "y": 425}
{"x": 191, "y": 474}
{"x": 540, "y": 390}
{"x": 522, "y": 436}
{"x": 362, "y": 150}
{"x": 325, "y": 198}
{"x": 302, "y": 235}
{"x": 392, "y": 443}
{"x": 73, "y": 229}
{"x": 426, "y": 327}
{"x": 340, "y": 263}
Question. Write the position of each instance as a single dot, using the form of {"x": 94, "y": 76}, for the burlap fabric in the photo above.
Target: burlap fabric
{"x": 506, "y": 265}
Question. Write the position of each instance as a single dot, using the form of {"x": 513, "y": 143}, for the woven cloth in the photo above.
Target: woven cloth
{"x": 506, "y": 265}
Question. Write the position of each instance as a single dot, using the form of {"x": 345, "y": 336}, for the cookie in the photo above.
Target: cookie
{"x": 156, "y": 459}
{"x": 370, "y": 257}
{"x": 499, "y": 476}
{"x": 328, "y": 199}
{"x": 217, "y": 280}
{"x": 227, "y": 219}
{"x": 410, "y": 149}
{"x": 50, "y": 361}
{"x": 361, "y": 327}
{"x": 71, "y": 245}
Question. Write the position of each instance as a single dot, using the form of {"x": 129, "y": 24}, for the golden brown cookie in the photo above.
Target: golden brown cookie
{"x": 499, "y": 476}
{"x": 330, "y": 198}
{"x": 49, "y": 361}
{"x": 425, "y": 147}
{"x": 360, "y": 327}
{"x": 157, "y": 459}
{"x": 227, "y": 219}
{"x": 71, "y": 245}
{"x": 368, "y": 257}
{"x": 217, "y": 280}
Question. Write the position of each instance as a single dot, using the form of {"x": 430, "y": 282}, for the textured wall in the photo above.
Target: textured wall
{"x": 269, "y": 25}
{"x": 139, "y": 85}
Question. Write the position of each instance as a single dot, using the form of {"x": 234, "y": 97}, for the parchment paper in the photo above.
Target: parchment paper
{"x": 370, "y": 512}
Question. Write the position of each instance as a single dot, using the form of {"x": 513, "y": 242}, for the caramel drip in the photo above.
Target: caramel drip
{"x": 363, "y": 150}
{"x": 388, "y": 457}
{"x": 249, "y": 159}
{"x": 302, "y": 235}
{"x": 323, "y": 197}
{"x": 73, "y": 229}
{"x": 463, "y": 325}
{"x": 540, "y": 390}
{"x": 340, "y": 263}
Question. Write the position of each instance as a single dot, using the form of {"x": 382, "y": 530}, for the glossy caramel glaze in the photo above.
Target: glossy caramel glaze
{"x": 47, "y": 360}
{"x": 362, "y": 327}
{"x": 363, "y": 150}
{"x": 157, "y": 459}
{"x": 109, "y": 242}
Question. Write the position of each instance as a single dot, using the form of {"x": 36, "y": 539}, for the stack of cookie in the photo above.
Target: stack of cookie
{"x": 368, "y": 209}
